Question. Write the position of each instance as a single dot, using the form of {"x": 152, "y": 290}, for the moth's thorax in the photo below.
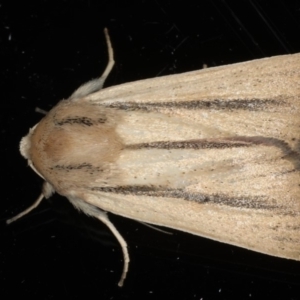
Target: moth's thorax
{"x": 72, "y": 143}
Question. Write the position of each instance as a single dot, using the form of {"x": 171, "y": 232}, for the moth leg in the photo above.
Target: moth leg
{"x": 104, "y": 218}
{"x": 47, "y": 192}
{"x": 97, "y": 83}
{"x": 26, "y": 211}
{"x": 91, "y": 210}
{"x": 111, "y": 60}
{"x": 155, "y": 228}
{"x": 41, "y": 111}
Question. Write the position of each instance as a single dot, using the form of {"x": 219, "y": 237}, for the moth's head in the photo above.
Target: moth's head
{"x": 25, "y": 148}
{"x": 25, "y": 144}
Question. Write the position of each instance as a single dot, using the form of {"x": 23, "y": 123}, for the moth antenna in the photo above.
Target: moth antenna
{"x": 97, "y": 83}
{"x": 26, "y": 211}
{"x": 104, "y": 219}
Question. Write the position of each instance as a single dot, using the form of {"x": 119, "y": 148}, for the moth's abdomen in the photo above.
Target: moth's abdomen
{"x": 74, "y": 145}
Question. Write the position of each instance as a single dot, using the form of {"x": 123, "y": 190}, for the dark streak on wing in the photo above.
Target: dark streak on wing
{"x": 189, "y": 144}
{"x": 81, "y": 120}
{"x": 258, "y": 202}
{"x": 217, "y": 104}
{"x": 83, "y": 166}
{"x": 223, "y": 143}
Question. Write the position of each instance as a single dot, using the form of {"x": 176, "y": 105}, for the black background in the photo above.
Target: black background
{"x": 48, "y": 48}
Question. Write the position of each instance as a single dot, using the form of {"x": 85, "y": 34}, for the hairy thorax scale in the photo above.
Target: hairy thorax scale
{"x": 68, "y": 144}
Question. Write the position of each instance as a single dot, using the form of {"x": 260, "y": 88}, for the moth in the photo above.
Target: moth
{"x": 214, "y": 152}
